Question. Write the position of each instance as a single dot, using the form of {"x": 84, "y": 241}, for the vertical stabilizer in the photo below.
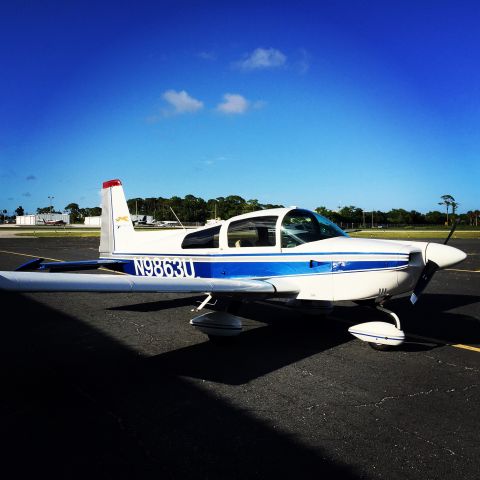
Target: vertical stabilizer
{"x": 117, "y": 228}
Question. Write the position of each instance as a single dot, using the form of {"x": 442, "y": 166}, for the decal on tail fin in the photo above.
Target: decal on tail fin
{"x": 117, "y": 228}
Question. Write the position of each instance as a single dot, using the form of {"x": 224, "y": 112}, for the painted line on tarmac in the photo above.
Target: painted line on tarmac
{"x": 443, "y": 342}
{"x": 56, "y": 260}
{"x": 461, "y": 270}
{"x": 466, "y": 347}
{"x": 31, "y": 256}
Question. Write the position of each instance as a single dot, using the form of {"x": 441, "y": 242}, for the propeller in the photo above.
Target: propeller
{"x": 454, "y": 226}
{"x": 429, "y": 270}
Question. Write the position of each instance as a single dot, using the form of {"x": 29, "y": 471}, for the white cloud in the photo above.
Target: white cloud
{"x": 233, "y": 104}
{"x": 181, "y": 102}
{"x": 262, "y": 58}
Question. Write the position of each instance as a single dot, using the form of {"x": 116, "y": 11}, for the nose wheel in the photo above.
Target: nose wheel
{"x": 380, "y": 335}
{"x": 382, "y": 347}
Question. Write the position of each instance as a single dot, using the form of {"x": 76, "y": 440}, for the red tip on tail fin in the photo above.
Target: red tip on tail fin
{"x": 112, "y": 183}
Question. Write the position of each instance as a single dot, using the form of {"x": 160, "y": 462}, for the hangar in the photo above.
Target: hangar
{"x": 42, "y": 218}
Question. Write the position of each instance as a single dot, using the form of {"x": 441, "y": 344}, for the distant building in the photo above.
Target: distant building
{"x": 93, "y": 221}
{"x": 44, "y": 219}
{"x": 26, "y": 219}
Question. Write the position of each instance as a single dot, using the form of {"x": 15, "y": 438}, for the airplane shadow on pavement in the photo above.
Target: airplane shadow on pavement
{"x": 272, "y": 338}
{"x": 78, "y": 404}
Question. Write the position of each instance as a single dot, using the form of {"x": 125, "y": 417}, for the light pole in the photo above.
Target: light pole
{"x": 51, "y": 197}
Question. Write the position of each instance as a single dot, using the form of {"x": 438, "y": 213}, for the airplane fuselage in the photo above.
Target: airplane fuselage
{"x": 334, "y": 268}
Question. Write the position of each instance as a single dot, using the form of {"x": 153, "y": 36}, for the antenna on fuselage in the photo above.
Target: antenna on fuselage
{"x": 178, "y": 220}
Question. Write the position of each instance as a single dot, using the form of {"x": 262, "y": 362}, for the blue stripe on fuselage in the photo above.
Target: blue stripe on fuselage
{"x": 248, "y": 269}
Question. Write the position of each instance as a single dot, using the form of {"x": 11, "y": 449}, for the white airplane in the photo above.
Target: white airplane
{"x": 278, "y": 253}
{"x": 54, "y": 222}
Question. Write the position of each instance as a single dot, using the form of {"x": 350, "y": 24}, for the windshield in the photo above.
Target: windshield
{"x": 302, "y": 226}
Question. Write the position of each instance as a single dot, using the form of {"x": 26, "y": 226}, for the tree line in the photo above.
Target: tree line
{"x": 352, "y": 215}
{"x": 195, "y": 209}
{"x": 191, "y": 209}
{"x": 398, "y": 216}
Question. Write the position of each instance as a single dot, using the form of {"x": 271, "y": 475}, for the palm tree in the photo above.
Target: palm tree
{"x": 448, "y": 201}
{"x": 454, "y": 206}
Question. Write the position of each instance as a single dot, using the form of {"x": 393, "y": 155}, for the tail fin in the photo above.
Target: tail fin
{"x": 117, "y": 228}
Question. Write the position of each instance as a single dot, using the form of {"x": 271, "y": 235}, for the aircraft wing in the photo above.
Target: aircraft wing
{"x": 21, "y": 281}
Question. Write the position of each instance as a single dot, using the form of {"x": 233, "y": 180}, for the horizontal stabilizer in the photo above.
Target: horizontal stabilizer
{"x": 30, "y": 265}
{"x": 39, "y": 264}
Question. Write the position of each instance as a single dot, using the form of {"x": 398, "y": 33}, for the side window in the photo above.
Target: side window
{"x": 202, "y": 239}
{"x": 252, "y": 232}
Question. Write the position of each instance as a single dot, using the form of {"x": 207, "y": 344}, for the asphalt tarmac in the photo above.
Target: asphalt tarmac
{"x": 121, "y": 386}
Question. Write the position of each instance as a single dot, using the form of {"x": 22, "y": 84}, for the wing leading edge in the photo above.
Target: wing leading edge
{"x": 71, "y": 282}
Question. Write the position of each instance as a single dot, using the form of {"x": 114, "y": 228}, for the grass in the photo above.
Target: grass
{"x": 58, "y": 234}
{"x": 414, "y": 234}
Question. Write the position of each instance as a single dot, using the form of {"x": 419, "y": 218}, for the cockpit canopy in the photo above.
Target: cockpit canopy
{"x": 296, "y": 227}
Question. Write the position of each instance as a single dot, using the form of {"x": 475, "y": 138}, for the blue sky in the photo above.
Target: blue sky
{"x": 372, "y": 104}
